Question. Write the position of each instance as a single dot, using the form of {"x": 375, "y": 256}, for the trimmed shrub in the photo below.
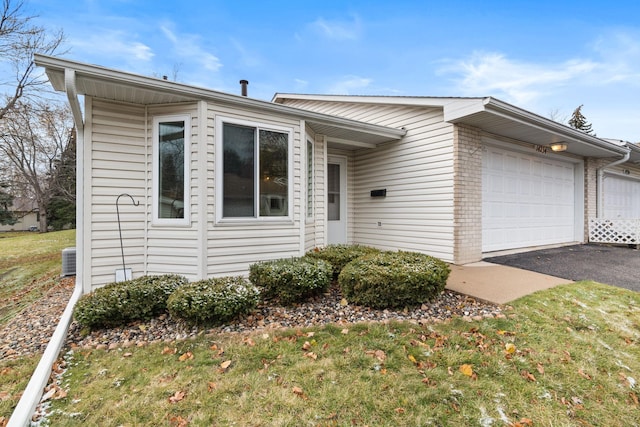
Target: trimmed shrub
{"x": 291, "y": 280}
{"x": 119, "y": 303}
{"x": 213, "y": 301}
{"x": 340, "y": 255}
{"x": 393, "y": 279}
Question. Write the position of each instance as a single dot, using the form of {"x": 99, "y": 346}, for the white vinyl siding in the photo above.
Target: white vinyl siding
{"x": 314, "y": 228}
{"x": 234, "y": 245}
{"x": 115, "y": 156}
{"x": 417, "y": 172}
{"x": 119, "y": 160}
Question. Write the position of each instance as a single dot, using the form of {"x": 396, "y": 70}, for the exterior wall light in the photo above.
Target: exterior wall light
{"x": 558, "y": 147}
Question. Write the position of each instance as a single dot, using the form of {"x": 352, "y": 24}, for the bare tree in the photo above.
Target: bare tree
{"x": 20, "y": 38}
{"x": 33, "y": 136}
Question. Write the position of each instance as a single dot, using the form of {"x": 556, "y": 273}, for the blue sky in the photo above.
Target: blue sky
{"x": 545, "y": 56}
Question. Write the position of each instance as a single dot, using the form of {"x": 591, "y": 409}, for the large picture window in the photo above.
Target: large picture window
{"x": 170, "y": 163}
{"x": 255, "y": 172}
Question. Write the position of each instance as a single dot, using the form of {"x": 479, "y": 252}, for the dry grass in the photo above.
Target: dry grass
{"x": 568, "y": 356}
{"x": 29, "y": 266}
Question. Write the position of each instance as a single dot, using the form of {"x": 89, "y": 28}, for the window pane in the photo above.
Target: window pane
{"x": 274, "y": 187}
{"x": 333, "y": 184}
{"x": 309, "y": 179}
{"x": 239, "y": 165}
{"x": 171, "y": 181}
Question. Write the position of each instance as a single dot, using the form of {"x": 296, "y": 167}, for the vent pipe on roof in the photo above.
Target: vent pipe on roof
{"x": 243, "y": 86}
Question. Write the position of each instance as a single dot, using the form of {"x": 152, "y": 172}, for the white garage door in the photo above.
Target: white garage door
{"x": 621, "y": 197}
{"x": 527, "y": 200}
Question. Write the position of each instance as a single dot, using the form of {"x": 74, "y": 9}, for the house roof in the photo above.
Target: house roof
{"x": 493, "y": 116}
{"x": 101, "y": 82}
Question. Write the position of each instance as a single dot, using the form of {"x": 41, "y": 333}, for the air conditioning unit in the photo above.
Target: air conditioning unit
{"x": 68, "y": 262}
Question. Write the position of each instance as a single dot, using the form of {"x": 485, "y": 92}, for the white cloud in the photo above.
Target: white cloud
{"x": 519, "y": 82}
{"x": 338, "y": 30}
{"x": 348, "y": 84}
{"x": 188, "y": 47}
{"x": 114, "y": 44}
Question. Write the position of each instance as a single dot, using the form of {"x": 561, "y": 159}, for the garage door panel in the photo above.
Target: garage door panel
{"x": 527, "y": 200}
{"x": 621, "y": 197}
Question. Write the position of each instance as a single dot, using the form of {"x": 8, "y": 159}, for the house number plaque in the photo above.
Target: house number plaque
{"x": 541, "y": 149}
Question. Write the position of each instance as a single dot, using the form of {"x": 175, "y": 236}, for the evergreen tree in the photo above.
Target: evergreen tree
{"x": 6, "y": 200}
{"x": 61, "y": 209}
{"x": 578, "y": 121}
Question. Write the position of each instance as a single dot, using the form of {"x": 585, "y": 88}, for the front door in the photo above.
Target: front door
{"x": 337, "y": 200}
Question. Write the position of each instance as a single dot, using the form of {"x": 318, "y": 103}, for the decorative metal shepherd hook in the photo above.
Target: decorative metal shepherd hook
{"x": 120, "y": 228}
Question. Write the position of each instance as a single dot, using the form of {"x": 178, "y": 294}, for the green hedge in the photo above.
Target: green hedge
{"x": 291, "y": 280}
{"x": 213, "y": 301}
{"x": 393, "y": 279}
{"x": 340, "y": 255}
{"x": 119, "y": 303}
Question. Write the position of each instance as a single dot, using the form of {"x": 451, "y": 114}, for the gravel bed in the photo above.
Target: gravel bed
{"x": 29, "y": 332}
{"x": 323, "y": 309}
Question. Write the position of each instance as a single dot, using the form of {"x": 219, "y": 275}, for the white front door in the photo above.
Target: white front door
{"x": 336, "y": 200}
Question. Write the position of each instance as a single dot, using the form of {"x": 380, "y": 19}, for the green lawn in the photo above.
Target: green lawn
{"x": 30, "y": 264}
{"x": 568, "y": 356}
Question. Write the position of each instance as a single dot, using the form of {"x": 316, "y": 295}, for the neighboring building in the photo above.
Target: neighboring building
{"x": 25, "y": 210}
{"x": 224, "y": 181}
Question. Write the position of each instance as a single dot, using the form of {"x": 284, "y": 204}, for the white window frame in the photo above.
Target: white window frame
{"x": 309, "y": 192}
{"x": 220, "y": 219}
{"x": 156, "y": 220}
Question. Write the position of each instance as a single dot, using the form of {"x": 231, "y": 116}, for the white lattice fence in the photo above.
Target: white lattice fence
{"x": 621, "y": 231}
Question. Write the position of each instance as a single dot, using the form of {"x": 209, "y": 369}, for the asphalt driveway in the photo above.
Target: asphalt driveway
{"x": 612, "y": 265}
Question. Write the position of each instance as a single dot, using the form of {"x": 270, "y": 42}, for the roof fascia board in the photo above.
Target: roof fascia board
{"x": 150, "y": 83}
{"x": 417, "y": 101}
{"x": 512, "y": 112}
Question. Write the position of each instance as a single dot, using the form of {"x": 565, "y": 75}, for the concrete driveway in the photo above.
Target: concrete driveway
{"x": 612, "y": 265}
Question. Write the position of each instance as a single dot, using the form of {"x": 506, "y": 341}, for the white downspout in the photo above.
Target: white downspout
{"x": 600, "y": 182}
{"x": 32, "y": 394}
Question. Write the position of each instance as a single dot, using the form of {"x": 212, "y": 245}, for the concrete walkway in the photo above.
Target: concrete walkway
{"x": 496, "y": 283}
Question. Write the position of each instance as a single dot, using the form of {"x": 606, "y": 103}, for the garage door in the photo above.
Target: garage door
{"x": 621, "y": 197}
{"x": 527, "y": 200}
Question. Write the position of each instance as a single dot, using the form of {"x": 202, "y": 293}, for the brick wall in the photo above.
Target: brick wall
{"x": 467, "y": 190}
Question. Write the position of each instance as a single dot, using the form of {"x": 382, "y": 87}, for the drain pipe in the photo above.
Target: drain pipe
{"x": 32, "y": 394}
{"x": 600, "y": 182}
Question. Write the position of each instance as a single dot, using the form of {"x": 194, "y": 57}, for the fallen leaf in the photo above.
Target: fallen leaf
{"x": 60, "y": 394}
{"x": 177, "y": 397}
{"x": 509, "y": 348}
{"x": 299, "y": 392}
{"x": 449, "y": 370}
{"x": 310, "y": 334}
{"x": 399, "y": 410}
{"x": 127, "y": 355}
{"x": 413, "y": 359}
{"x": 186, "y": 356}
{"x": 345, "y": 331}
{"x": 540, "y": 368}
{"x": 248, "y": 341}
{"x": 466, "y": 370}
{"x": 306, "y": 346}
{"x": 380, "y": 355}
{"x": 311, "y": 355}
{"x": 211, "y": 386}
{"x": 528, "y": 376}
{"x": 5, "y": 371}
{"x": 225, "y": 365}
{"x": 634, "y": 398}
{"x": 584, "y": 374}
{"x": 344, "y": 302}
{"x": 213, "y": 347}
{"x": 178, "y": 421}
{"x": 169, "y": 350}
{"x": 4, "y": 396}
